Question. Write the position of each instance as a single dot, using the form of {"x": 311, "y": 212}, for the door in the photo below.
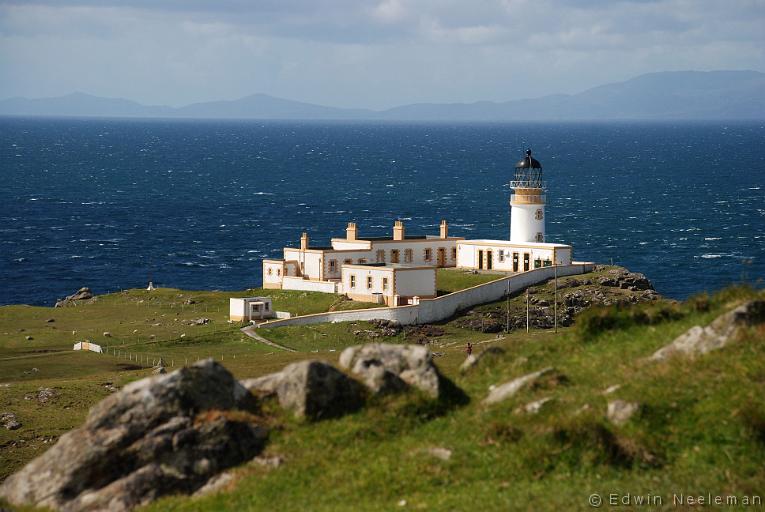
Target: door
{"x": 489, "y": 260}
{"x": 515, "y": 262}
{"x": 526, "y": 260}
{"x": 441, "y": 257}
{"x": 480, "y": 260}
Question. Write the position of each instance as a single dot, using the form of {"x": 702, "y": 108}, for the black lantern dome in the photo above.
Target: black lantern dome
{"x": 528, "y": 173}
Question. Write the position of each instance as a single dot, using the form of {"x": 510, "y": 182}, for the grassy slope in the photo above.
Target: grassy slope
{"x": 701, "y": 429}
{"x": 693, "y": 434}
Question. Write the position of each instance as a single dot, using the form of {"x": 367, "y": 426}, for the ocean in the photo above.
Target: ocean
{"x": 114, "y": 203}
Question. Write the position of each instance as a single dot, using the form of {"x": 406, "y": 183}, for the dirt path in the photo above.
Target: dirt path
{"x": 250, "y": 331}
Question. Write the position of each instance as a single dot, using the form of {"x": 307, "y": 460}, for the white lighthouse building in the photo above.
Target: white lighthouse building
{"x": 394, "y": 270}
{"x": 527, "y": 203}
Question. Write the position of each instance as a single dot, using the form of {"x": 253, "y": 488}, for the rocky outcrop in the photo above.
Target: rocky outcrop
{"x": 508, "y": 389}
{"x": 160, "y": 435}
{"x": 387, "y": 368}
{"x": 8, "y": 420}
{"x": 620, "y": 411}
{"x": 81, "y": 294}
{"x": 626, "y": 280}
{"x": 474, "y": 360}
{"x": 700, "y": 340}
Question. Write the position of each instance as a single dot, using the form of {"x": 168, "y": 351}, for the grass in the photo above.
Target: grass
{"x": 700, "y": 428}
{"x": 449, "y": 280}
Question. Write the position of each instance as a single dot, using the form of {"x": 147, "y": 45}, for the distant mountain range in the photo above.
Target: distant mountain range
{"x": 653, "y": 96}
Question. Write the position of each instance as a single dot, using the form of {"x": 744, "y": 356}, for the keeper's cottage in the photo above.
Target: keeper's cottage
{"x": 401, "y": 269}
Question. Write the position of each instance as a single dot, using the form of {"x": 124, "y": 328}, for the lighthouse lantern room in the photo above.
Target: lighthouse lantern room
{"x": 527, "y": 203}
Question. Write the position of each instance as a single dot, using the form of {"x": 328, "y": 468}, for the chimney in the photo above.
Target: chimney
{"x": 351, "y": 232}
{"x": 444, "y": 229}
{"x": 398, "y": 230}
{"x": 304, "y": 241}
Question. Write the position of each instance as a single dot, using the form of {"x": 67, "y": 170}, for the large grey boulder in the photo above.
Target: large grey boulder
{"x": 161, "y": 435}
{"x": 699, "y": 340}
{"x": 508, "y": 389}
{"x": 386, "y": 368}
{"x": 311, "y": 389}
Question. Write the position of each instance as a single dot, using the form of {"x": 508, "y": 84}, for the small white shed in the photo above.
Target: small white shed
{"x": 250, "y": 308}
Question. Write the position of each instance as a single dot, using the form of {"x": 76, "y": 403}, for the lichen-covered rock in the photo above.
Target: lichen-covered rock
{"x": 83, "y": 293}
{"x": 317, "y": 390}
{"x": 508, "y": 389}
{"x": 9, "y": 421}
{"x": 699, "y": 340}
{"x": 160, "y": 435}
{"x": 387, "y": 368}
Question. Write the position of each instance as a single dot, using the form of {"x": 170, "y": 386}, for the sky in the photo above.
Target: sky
{"x": 358, "y": 53}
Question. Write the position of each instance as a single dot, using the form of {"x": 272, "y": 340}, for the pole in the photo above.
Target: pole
{"x": 555, "y": 301}
{"x": 527, "y": 310}
{"x": 507, "y": 311}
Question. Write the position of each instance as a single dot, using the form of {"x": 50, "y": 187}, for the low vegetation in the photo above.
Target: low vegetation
{"x": 699, "y": 428}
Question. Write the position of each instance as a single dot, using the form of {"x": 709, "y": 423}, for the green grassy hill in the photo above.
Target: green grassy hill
{"x": 700, "y": 427}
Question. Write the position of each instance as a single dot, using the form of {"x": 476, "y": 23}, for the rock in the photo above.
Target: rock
{"x": 440, "y": 452}
{"x": 43, "y": 395}
{"x": 620, "y": 411}
{"x": 159, "y": 370}
{"x": 81, "y": 294}
{"x": 474, "y": 359}
{"x": 612, "y": 389}
{"x": 264, "y": 386}
{"x": 50, "y": 320}
{"x": 317, "y": 390}
{"x": 165, "y": 434}
{"x": 268, "y": 462}
{"x": 9, "y": 421}
{"x": 699, "y": 340}
{"x": 386, "y": 368}
{"x": 535, "y": 406}
{"x": 107, "y": 334}
{"x": 29, "y": 338}
{"x": 215, "y": 484}
{"x": 508, "y": 389}
{"x": 199, "y": 321}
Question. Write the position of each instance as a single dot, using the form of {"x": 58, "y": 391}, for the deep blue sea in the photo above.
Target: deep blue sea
{"x": 110, "y": 204}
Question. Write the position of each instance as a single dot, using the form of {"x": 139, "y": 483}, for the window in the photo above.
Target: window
{"x": 333, "y": 266}
{"x": 428, "y": 254}
{"x": 394, "y": 256}
{"x": 353, "y": 281}
{"x": 537, "y": 263}
{"x": 408, "y": 255}
{"x": 348, "y": 261}
{"x": 539, "y": 215}
{"x": 278, "y": 272}
{"x": 454, "y": 253}
{"x": 369, "y": 282}
{"x": 501, "y": 255}
{"x": 380, "y": 256}
{"x": 362, "y": 261}
{"x": 385, "y": 284}
{"x": 548, "y": 263}
{"x": 270, "y": 271}
{"x": 540, "y": 237}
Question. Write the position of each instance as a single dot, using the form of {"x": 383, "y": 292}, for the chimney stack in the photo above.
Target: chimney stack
{"x": 398, "y": 230}
{"x": 351, "y": 232}
{"x": 304, "y": 241}
{"x": 444, "y": 229}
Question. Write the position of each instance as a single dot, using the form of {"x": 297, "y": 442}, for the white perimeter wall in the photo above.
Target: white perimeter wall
{"x": 441, "y": 308}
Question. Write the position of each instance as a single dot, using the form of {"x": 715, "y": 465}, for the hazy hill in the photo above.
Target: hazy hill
{"x": 653, "y": 96}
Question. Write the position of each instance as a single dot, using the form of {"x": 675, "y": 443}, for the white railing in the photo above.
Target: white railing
{"x": 528, "y": 184}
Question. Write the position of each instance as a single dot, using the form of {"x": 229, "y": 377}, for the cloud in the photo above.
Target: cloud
{"x": 363, "y": 53}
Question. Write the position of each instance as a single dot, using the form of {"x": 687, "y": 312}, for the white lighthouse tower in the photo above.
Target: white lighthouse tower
{"x": 527, "y": 203}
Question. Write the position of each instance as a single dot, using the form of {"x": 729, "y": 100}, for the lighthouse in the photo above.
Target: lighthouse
{"x": 527, "y": 202}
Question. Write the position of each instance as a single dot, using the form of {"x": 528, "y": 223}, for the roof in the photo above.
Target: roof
{"x": 528, "y": 162}
{"x": 508, "y": 243}
{"x": 389, "y": 266}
